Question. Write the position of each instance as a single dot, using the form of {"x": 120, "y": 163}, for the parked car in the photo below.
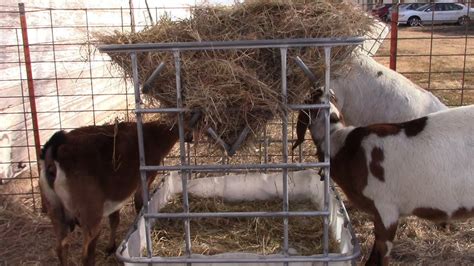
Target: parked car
{"x": 436, "y": 13}
{"x": 381, "y": 11}
{"x": 404, "y": 7}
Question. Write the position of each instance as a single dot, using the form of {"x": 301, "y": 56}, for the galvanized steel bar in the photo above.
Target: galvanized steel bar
{"x": 284, "y": 131}
{"x": 184, "y": 109}
{"x": 218, "y": 139}
{"x": 237, "y": 214}
{"x": 308, "y": 106}
{"x": 141, "y": 152}
{"x": 149, "y": 82}
{"x": 201, "y": 168}
{"x": 89, "y": 58}
{"x": 243, "y": 44}
{"x": 327, "y": 84}
{"x": 241, "y": 259}
{"x": 239, "y": 141}
{"x": 306, "y": 70}
{"x": 182, "y": 152}
{"x": 161, "y": 110}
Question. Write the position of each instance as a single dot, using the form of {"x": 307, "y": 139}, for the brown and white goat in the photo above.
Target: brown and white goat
{"x": 90, "y": 172}
{"x": 423, "y": 167}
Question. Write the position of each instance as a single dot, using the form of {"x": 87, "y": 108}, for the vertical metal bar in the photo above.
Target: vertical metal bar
{"x": 25, "y": 119}
{"x": 394, "y": 38}
{"x": 53, "y": 46}
{"x": 126, "y": 84}
{"x": 182, "y": 152}
{"x": 121, "y": 17}
{"x": 327, "y": 77}
{"x": 431, "y": 48}
{"x": 141, "y": 151}
{"x": 132, "y": 16}
{"x": 265, "y": 147}
{"x": 89, "y": 51}
{"x": 31, "y": 90}
{"x": 284, "y": 132}
{"x": 463, "y": 80}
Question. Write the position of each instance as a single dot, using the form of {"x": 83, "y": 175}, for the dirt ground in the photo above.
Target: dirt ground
{"x": 26, "y": 237}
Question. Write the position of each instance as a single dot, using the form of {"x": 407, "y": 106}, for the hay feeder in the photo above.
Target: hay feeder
{"x": 279, "y": 184}
{"x": 304, "y": 185}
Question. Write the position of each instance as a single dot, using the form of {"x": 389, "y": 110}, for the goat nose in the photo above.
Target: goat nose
{"x": 188, "y": 137}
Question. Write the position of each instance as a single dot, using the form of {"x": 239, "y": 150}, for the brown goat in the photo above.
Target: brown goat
{"x": 90, "y": 172}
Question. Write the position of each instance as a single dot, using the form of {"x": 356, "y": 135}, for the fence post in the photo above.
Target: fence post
{"x": 394, "y": 36}
{"x": 31, "y": 89}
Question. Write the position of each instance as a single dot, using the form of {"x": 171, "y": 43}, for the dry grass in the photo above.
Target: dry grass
{"x": 421, "y": 242}
{"x": 450, "y": 43}
{"x": 210, "y": 236}
{"x": 27, "y": 237}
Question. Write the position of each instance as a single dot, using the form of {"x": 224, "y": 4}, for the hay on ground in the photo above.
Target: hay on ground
{"x": 210, "y": 236}
{"x": 239, "y": 88}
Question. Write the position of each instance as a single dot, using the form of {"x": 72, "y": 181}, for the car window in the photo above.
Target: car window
{"x": 425, "y": 7}
{"x": 413, "y": 6}
{"x": 455, "y": 7}
{"x": 441, "y": 7}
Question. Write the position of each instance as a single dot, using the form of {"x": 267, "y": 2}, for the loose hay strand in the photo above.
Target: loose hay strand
{"x": 239, "y": 88}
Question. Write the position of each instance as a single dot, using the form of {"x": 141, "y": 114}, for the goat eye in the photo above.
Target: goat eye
{"x": 333, "y": 118}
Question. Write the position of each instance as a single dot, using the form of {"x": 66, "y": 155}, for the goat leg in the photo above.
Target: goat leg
{"x": 114, "y": 220}
{"x": 90, "y": 236}
{"x": 383, "y": 242}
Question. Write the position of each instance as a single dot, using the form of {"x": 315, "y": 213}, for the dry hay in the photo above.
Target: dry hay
{"x": 27, "y": 237}
{"x": 420, "y": 242}
{"x": 241, "y": 88}
{"x": 210, "y": 236}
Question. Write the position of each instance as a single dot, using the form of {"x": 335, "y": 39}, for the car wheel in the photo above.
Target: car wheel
{"x": 464, "y": 20}
{"x": 414, "y": 21}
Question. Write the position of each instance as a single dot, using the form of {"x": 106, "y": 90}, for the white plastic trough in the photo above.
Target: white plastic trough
{"x": 303, "y": 185}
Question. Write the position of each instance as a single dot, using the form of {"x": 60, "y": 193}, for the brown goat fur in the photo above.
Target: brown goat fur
{"x": 90, "y": 172}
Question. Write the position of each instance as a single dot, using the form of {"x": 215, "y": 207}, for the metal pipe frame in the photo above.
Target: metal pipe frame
{"x": 222, "y": 45}
{"x": 185, "y": 168}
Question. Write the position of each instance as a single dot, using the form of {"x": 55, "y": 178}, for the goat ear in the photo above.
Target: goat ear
{"x": 316, "y": 95}
{"x": 301, "y": 127}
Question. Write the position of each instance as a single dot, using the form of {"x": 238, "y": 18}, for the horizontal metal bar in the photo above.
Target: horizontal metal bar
{"x": 240, "y": 259}
{"x": 308, "y": 106}
{"x": 241, "y": 44}
{"x": 231, "y": 166}
{"x": 161, "y": 110}
{"x": 236, "y": 214}
{"x": 20, "y": 194}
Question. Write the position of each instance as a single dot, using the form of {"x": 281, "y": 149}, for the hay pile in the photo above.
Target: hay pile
{"x": 210, "y": 236}
{"x": 235, "y": 89}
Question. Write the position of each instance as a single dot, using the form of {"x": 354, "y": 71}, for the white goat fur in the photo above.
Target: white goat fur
{"x": 434, "y": 169}
{"x": 372, "y": 93}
